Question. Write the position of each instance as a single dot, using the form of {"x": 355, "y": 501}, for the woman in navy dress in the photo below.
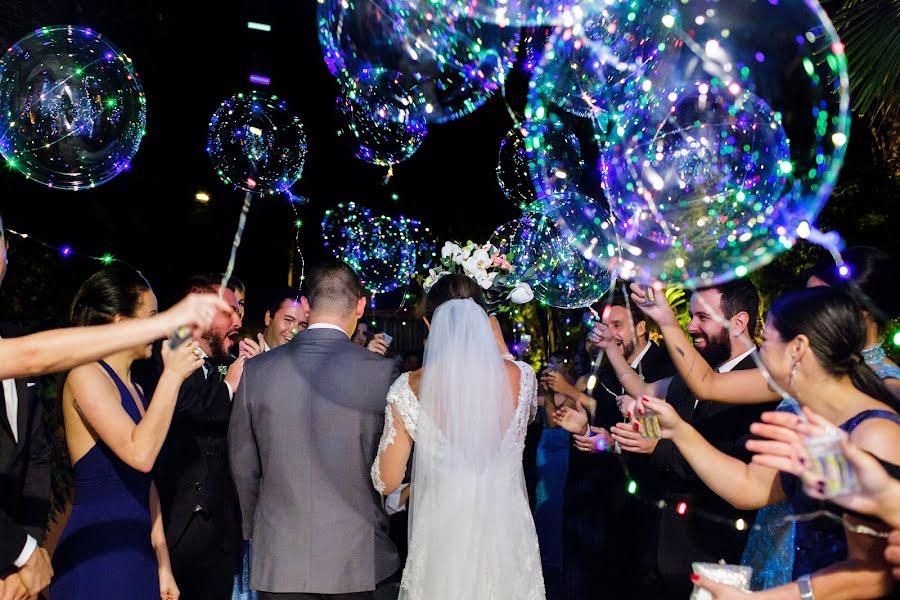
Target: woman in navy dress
{"x": 113, "y": 545}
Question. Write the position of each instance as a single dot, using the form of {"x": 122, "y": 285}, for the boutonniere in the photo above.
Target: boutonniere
{"x": 223, "y": 371}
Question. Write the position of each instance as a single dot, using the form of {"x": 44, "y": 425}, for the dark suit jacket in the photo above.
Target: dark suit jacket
{"x": 304, "y": 432}
{"x": 192, "y": 470}
{"x": 24, "y": 470}
{"x": 694, "y": 537}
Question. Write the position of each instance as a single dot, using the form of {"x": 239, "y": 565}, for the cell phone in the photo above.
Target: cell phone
{"x": 387, "y": 338}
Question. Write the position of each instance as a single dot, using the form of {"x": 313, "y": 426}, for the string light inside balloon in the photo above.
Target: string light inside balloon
{"x": 73, "y": 108}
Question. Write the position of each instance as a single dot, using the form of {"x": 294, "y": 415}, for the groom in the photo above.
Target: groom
{"x": 302, "y": 438}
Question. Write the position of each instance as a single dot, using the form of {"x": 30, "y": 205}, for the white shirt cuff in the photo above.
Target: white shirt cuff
{"x": 392, "y": 502}
{"x": 27, "y": 551}
{"x": 230, "y": 391}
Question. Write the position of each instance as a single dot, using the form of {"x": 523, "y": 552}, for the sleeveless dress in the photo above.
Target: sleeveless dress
{"x": 105, "y": 551}
{"x": 822, "y": 542}
{"x": 770, "y": 548}
{"x": 510, "y": 569}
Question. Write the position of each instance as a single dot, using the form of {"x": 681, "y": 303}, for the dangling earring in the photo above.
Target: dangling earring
{"x": 794, "y": 372}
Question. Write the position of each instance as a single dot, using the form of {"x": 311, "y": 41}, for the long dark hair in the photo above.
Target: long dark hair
{"x": 832, "y": 320}
{"x": 116, "y": 290}
{"x": 872, "y": 278}
{"x": 452, "y": 287}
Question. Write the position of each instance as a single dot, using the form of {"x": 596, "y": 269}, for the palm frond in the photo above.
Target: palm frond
{"x": 870, "y": 31}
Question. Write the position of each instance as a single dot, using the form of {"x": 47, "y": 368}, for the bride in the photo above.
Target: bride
{"x": 471, "y": 531}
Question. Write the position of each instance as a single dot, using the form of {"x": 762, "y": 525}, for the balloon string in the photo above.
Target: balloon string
{"x": 298, "y": 253}
{"x": 242, "y": 221}
{"x": 512, "y": 114}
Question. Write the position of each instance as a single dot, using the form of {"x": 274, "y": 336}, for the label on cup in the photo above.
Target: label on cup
{"x": 650, "y": 428}
{"x": 827, "y": 460}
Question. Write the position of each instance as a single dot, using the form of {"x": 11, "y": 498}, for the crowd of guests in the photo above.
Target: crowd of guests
{"x": 619, "y": 513}
{"x": 728, "y": 469}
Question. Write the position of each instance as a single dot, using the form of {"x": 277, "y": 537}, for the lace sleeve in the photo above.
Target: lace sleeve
{"x": 528, "y": 389}
{"x": 387, "y": 438}
{"x": 402, "y": 404}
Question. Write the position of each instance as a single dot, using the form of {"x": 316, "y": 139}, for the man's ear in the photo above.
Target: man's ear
{"x": 268, "y": 318}
{"x": 361, "y": 307}
{"x": 641, "y": 328}
{"x": 305, "y": 304}
{"x": 739, "y": 324}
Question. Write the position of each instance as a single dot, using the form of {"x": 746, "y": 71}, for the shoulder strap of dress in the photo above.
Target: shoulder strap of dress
{"x": 851, "y": 424}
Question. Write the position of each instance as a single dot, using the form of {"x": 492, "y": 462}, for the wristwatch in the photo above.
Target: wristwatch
{"x": 806, "y": 591}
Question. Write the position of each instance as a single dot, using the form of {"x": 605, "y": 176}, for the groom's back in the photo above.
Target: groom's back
{"x": 316, "y": 410}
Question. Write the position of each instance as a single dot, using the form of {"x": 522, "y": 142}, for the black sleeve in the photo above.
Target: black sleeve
{"x": 12, "y": 541}
{"x": 36, "y": 489}
{"x": 202, "y": 400}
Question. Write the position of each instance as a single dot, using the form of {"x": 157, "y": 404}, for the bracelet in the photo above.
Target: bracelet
{"x": 806, "y": 591}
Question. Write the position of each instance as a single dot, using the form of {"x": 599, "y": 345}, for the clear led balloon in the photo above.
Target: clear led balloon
{"x": 383, "y": 113}
{"x": 426, "y": 244}
{"x": 378, "y": 248}
{"x": 72, "y": 109}
{"x": 561, "y": 263}
{"x": 256, "y": 145}
{"x": 717, "y": 154}
{"x": 590, "y": 67}
{"x": 518, "y": 13}
{"x": 456, "y": 60}
{"x": 698, "y": 179}
{"x": 557, "y": 164}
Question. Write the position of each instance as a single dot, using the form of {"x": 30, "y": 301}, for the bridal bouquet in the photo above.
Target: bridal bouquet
{"x": 490, "y": 270}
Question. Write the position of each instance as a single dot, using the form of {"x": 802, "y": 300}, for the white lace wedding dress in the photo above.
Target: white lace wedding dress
{"x": 472, "y": 534}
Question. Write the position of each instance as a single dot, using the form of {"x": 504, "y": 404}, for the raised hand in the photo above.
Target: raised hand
{"x": 598, "y": 442}
{"x": 628, "y": 436}
{"x": 181, "y": 361}
{"x": 573, "y": 420}
{"x": 555, "y": 382}
{"x": 197, "y": 312}
{"x": 249, "y": 348}
{"x": 669, "y": 419}
{"x": 659, "y": 311}
{"x": 378, "y": 345}
{"x": 600, "y": 337}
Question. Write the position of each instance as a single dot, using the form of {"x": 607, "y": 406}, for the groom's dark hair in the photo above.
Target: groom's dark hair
{"x": 452, "y": 287}
{"x": 333, "y": 286}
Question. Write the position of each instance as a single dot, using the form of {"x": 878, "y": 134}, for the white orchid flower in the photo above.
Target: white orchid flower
{"x": 482, "y": 257}
{"x": 450, "y": 249}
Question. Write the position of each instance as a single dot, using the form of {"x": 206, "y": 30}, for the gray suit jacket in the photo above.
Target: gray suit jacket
{"x": 304, "y": 431}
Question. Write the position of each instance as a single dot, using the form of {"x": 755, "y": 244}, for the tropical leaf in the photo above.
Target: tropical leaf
{"x": 870, "y": 31}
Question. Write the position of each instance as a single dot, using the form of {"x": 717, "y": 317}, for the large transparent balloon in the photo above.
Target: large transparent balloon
{"x": 456, "y": 60}
{"x": 72, "y": 109}
{"x": 552, "y": 257}
{"x": 382, "y": 112}
{"x": 378, "y": 248}
{"x": 519, "y": 165}
{"x": 519, "y": 13}
{"x": 698, "y": 178}
{"x": 256, "y": 145}
{"x": 714, "y": 154}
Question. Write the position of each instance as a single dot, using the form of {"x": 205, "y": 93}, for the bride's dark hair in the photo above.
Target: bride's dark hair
{"x": 452, "y": 287}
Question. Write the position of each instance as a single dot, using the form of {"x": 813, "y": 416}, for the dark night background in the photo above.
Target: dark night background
{"x": 193, "y": 54}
